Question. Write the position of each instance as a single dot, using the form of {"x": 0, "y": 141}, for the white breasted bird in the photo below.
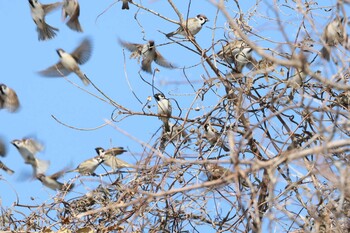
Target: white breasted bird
{"x": 52, "y": 183}
{"x": 194, "y": 25}
{"x": 239, "y": 53}
{"x": 214, "y": 137}
{"x": 89, "y": 166}
{"x": 38, "y": 12}
{"x": 28, "y": 148}
{"x": 164, "y": 109}
{"x": 110, "y": 159}
{"x": 8, "y": 98}
{"x": 71, "y": 8}
{"x": 148, "y": 53}
{"x": 69, "y": 62}
{"x": 125, "y": 5}
{"x": 333, "y": 35}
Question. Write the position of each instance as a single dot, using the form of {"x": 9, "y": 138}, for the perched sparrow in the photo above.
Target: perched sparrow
{"x": 332, "y": 35}
{"x": 71, "y": 8}
{"x": 8, "y": 98}
{"x": 52, "y": 183}
{"x": 28, "y": 148}
{"x": 6, "y": 169}
{"x": 125, "y": 5}
{"x": 38, "y": 12}
{"x": 194, "y": 25}
{"x": 215, "y": 172}
{"x": 148, "y": 52}
{"x": 109, "y": 157}
{"x": 239, "y": 53}
{"x": 89, "y": 166}
{"x": 164, "y": 109}
{"x": 69, "y": 62}
{"x": 214, "y": 137}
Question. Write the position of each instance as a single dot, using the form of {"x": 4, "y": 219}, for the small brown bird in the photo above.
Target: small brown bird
{"x": 52, "y": 183}
{"x": 8, "y": 98}
{"x": 148, "y": 53}
{"x": 194, "y": 25}
{"x": 70, "y": 62}
{"x": 214, "y": 137}
{"x": 164, "y": 109}
{"x": 239, "y": 53}
{"x": 71, "y": 8}
{"x": 88, "y": 166}
{"x": 125, "y": 5}
{"x": 333, "y": 35}
{"x": 38, "y": 12}
{"x": 215, "y": 172}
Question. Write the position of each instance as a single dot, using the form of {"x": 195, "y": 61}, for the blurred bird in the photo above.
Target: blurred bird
{"x": 110, "y": 159}
{"x": 39, "y": 166}
{"x": 71, "y": 8}
{"x": 89, "y": 166}
{"x": 125, "y": 5}
{"x": 70, "y": 62}
{"x": 333, "y": 34}
{"x": 3, "y": 149}
{"x": 52, "y": 183}
{"x": 215, "y": 172}
{"x": 164, "y": 109}
{"x": 148, "y": 53}
{"x": 6, "y": 169}
{"x": 214, "y": 137}
{"x": 239, "y": 53}
{"x": 8, "y": 98}
{"x": 113, "y": 151}
{"x": 38, "y": 12}
{"x": 28, "y": 148}
{"x": 175, "y": 134}
{"x": 194, "y": 25}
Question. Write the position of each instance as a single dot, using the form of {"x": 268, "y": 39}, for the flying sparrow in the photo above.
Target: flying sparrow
{"x": 71, "y": 8}
{"x": 52, "y": 183}
{"x": 125, "y": 5}
{"x": 6, "y": 169}
{"x": 8, "y": 98}
{"x": 70, "y": 62}
{"x": 28, "y": 148}
{"x": 239, "y": 53}
{"x": 333, "y": 34}
{"x": 214, "y": 137}
{"x": 164, "y": 109}
{"x": 89, "y": 166}
{"x": 194, "y": 25}
{"x": 38, "y": 12}
{"x": 148, "y": 52}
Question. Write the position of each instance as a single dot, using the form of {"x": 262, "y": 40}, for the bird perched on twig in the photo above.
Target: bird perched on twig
{"x": 52, "y": 183}
{"x": 88, "y": 166}
{"x": 333, "y": 35}
{"x": 239, "y": 53}
{"x": 110, "y": 159}
{"x": 69, "y": 62}
{"x": 149, "y": 53}
{"x": 193, "y": 25}
{"x": 214, "y": 137}
{"x": 8, "y": 98}
{"x": 164, "y": 109}
{"x": 38, "y": 12}
{"x": 71, "y": 8}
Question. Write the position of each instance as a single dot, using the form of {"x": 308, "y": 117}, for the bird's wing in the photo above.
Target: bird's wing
{"x": 83, "y": 52}
{"x": 160, "y": 60}
{"x": 130, "y": 46}
{"x": 50, "y": 7}
{"x": 56, "y": 70}
{"x": 115, "y": 151}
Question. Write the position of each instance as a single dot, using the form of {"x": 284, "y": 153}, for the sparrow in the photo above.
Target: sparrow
{"x": 6, "y": 169}
{"x": 38, "y": 12}
{"x": 164, "y": 109}
{"x": 333, "y": 34}
{"x": 149, "y": 53}
{"x": 8, "y": 98}
{"x": 175, "y": 134}
{"x": 89, "y": 166}
{"x": 28, "y": 148}
{"x": 71, "y": 8}
{"x": 125, "y": 5}
{"x": 194, "y": 25}
{"x": 239, "y": 53}
{"x": 214, "y": 137}
{"x": 69, "y": 62}
{"x": 109, "y": 157}
{"x": 215, "y": 172}
{"x": 52, "y": 183}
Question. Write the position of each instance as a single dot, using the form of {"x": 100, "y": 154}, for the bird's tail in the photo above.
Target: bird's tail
{"x": 125, "y": 5}
{"x": 74, "y": 25}
{"x": 83, "y": 78}
{"x": 6, "y": 169}
{"x": 47, "y": 32}
{"x": 170, "y": 34}
{"x": 325, "y": 53}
